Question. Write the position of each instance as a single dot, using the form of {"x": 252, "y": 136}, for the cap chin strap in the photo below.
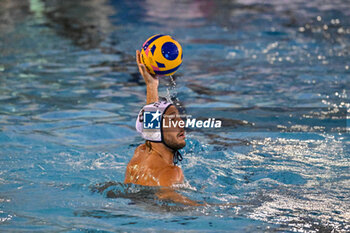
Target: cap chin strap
{"x": 177, "y": 156}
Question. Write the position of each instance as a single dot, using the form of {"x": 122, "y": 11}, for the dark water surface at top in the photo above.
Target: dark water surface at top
{"x": 277, "y": 73}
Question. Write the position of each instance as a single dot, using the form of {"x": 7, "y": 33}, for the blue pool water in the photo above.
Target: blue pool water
{"x": 276, "y": 73}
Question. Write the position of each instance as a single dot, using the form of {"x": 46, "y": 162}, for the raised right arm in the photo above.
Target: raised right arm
{"x": 152, "y": 82}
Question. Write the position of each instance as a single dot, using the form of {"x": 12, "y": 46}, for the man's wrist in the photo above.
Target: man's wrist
{"x": 152, "y": 85}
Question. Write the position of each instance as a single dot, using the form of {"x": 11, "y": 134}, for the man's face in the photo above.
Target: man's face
{"x": 174, "y": 135}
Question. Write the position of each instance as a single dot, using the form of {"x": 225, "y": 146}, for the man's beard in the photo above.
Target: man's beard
{"x": 175, "y": 146}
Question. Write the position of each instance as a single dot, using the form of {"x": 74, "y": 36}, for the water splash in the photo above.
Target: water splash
{"x": 171, "y": 91}
{"x": 171, "y": 95}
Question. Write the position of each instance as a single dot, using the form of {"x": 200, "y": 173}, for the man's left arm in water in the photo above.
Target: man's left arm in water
{"x": 168, "y": 178}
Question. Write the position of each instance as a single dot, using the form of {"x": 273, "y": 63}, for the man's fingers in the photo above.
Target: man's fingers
{"x": 138, "y": 57}
{"x": 139, "y": 64}
{"x": 143, "y": 69}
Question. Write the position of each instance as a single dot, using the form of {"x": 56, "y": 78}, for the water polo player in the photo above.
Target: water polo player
{"x": 154, "y": 162}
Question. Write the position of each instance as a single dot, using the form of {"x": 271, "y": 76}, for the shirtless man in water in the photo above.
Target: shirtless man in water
{"x": 153, "y": 163}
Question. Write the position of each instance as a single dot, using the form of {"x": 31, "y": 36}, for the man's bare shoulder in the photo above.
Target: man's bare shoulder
{"x": 139, "y": 151}
{"x": 145, "y": 158}
{"x": 171, "y": 175}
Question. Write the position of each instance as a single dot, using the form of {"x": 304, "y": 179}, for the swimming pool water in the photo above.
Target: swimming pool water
{"x": 277, "y": 73}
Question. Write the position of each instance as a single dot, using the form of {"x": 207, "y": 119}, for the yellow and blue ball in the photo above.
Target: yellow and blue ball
{"x": 162, "y": 55}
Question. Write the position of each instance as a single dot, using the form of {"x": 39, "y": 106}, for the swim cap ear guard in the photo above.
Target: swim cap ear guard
{"x": 156, "y": 110}
{"x": 155, "y": 134}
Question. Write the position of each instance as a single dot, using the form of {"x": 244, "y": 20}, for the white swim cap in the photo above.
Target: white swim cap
{"x": 155, "y": 111}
